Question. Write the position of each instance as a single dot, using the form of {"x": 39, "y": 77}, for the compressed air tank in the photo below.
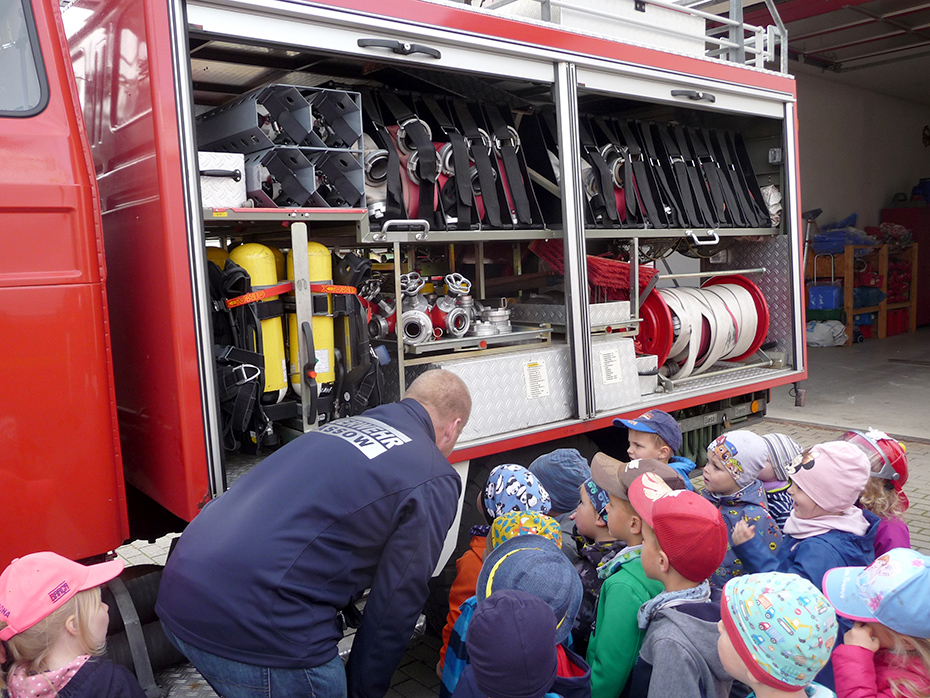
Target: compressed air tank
{"x": 218, "y": 256}
{"x": 321, "y": 272}
{"x": 258, "y": 261}
{"x": 280, "y": 265}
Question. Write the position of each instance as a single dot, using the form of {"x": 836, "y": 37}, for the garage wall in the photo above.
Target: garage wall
{"x": 857, "y": 149}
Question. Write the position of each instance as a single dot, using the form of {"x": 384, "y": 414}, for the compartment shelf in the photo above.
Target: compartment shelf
{"x": 610, "y": 233}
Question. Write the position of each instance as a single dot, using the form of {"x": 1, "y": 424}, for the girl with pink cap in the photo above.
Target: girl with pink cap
{"x": 53, "y": 624}
{"x": 825, "y": 529}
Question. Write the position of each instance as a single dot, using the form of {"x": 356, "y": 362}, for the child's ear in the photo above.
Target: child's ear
{"x": 664, "y": 564}
{"x": 665, "y": 453}
{"x": 600, "y": 522}
{"x": 636, "y": 525}
{"x": 71, "y": 626}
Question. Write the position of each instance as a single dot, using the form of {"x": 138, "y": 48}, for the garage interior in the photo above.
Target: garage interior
{"x": 863, "y": 114}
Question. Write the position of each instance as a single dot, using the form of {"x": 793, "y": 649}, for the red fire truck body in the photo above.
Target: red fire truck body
{"x": 107, "y": 309}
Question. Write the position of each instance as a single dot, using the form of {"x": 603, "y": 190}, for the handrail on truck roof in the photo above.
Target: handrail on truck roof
{"x": 725, "y": 35}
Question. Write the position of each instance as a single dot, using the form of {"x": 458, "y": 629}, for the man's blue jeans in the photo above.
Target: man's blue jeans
{"x": 232, "y": 679}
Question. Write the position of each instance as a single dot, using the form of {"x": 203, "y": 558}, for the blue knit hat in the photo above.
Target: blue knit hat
{"x": 561, "y": 473}
{"x": 511, "y": 645}
{"x": 538, "y": 566}
{"x": 514, "y": 488}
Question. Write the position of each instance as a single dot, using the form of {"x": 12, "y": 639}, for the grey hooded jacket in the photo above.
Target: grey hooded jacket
{"x": 679, "y": 654}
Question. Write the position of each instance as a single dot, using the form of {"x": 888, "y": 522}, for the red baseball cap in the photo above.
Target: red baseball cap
{"x": 690, "y": 530}
{"x": 34, "y": 586}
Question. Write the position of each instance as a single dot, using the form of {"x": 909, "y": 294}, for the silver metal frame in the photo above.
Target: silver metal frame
{"x": 193, "y": 214}
{"x": 792, "y": 215}
{"x": 576, "y": 264}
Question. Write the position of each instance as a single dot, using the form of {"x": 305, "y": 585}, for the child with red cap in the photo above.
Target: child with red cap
{"x": 684, "y": 541}
{"x": 54, "y": 626}
{"x": 825, "y": 529}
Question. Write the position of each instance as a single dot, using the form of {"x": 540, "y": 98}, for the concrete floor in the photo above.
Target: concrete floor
{"x": 880, "y": 383}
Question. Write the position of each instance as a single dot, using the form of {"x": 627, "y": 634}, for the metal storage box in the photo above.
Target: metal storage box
{"x": 652, "y": 26}
{"x": 616, "y": 380}
{"x": 222, "y": 179}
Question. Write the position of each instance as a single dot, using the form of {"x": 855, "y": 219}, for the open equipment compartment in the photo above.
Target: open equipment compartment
{"x": 457, "y": 92}
{"x": 522, "y": 83}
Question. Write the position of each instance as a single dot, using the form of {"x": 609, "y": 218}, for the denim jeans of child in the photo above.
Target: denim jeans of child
{"x": 232, "y": 679}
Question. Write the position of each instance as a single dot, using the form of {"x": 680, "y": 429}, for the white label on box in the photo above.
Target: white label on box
{"x": 611, "y": 371}
{"x": 322, "y": 361}
{"x": 536, "y": 380}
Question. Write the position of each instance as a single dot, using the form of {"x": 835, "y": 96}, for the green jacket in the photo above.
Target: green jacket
{"x": 616, "y": 638}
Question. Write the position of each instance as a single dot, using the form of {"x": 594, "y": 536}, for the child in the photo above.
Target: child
{"x": 684, "y": 541}
{"x": 774, "y": 476}
{"x": 734, "y": 460}
{"x": 511, "y": 642}
{"x": 887, "y": 651}
{"x": 55, "y": 629}
{"x": 825, "y": 529}
{"x": 509, "y": 488}
{"x": 761, "y": 644}
{"x": 884, "y": 495}
{"x": 616, "y": 637}
{"x": 561, "y": 473}
{"x": 505, "y": 527}
{"x": 599, "y": 548}
{"x": 656, "y": 434}
{"x": 536, "y": 565}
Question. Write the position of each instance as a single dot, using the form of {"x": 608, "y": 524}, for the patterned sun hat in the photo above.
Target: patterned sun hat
{"x": 521, "y": 523}
{"x": 512, "y": 487}
{"x": 781, "y": 626}
{"x": 892, "y": 591}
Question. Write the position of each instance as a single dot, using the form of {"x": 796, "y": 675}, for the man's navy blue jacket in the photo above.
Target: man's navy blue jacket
{"x": 260, "y": 574}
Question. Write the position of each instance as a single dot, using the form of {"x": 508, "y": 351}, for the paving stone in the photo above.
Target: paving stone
{"x": 414, "y": 689}
{"x": 423, "y": 673}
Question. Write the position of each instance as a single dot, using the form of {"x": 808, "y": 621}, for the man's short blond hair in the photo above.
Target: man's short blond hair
{"x": 444, "y": 395}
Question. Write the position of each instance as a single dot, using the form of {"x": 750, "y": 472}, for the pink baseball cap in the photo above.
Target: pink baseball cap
{"x": 35, "y": 585}
{"x": 833, "y": 474}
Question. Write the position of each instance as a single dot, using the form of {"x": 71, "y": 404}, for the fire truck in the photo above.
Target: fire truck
{"x": 584, "y": 211}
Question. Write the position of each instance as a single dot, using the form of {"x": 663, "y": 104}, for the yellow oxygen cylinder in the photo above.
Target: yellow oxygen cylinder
{"x": 321, "y": 272}
{"x": 258, "y": 261}
{"x": 218, "y": 256}
{"x": 279, "y": 264}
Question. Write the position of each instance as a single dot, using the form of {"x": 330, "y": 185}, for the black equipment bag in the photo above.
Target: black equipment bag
{"x": 240, "y": 364}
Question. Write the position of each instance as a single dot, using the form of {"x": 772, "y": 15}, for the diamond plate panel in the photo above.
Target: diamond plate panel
{"x": 773, "y": 253}
{"x": 601, "y": 314}
{"x": 222, "y": 192}
{"x": 184, "y": 681}
{"x": 616, "y": 379}
{"x": 507, "y": 390}
{"x": 647, "y": 384}
{"x": 745, "y": 377}
{"x": 516, "y": 391}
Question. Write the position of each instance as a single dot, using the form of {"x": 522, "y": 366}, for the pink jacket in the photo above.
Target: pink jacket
{"x": 861, "y": 674}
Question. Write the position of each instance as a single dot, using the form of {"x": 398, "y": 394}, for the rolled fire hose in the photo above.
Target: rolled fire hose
{"x": 710, "y": 324}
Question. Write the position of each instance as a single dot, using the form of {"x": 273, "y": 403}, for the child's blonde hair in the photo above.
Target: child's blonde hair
{"x": 901, "y": 685}
{"x": 880, "y": 497}
{"x": 30, "y": 647}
